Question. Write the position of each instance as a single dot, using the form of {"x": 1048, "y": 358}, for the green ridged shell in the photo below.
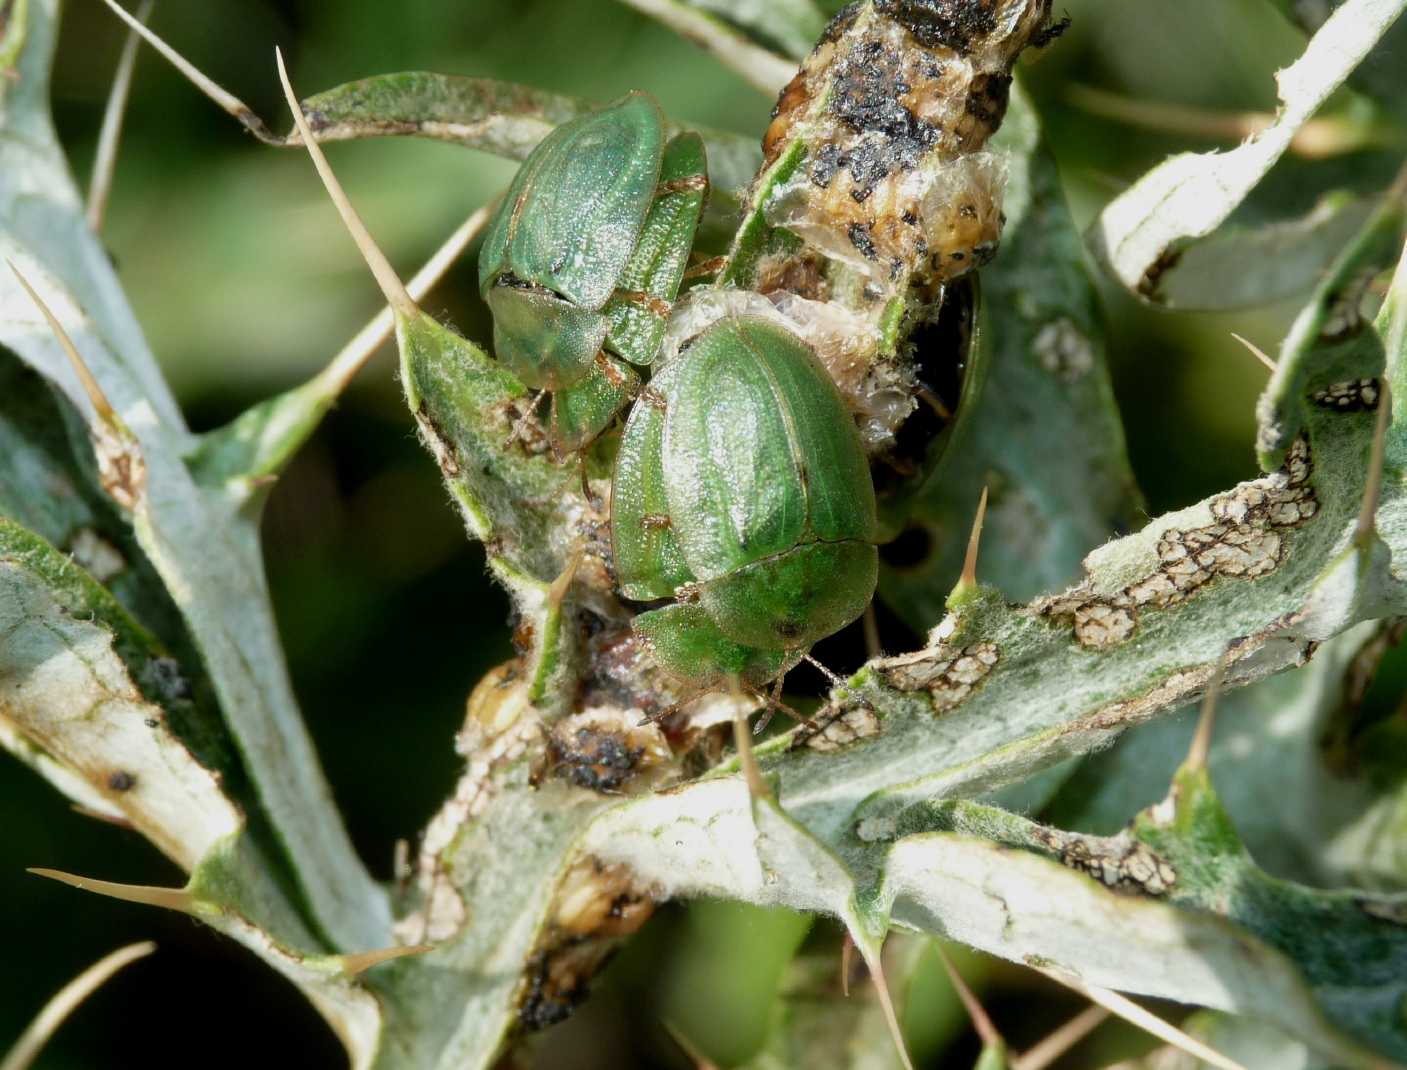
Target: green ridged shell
{"x": 742, "y": 475}
{"x": 571, "y": 219}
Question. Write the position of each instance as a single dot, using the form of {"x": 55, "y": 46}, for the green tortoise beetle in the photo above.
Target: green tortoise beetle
{"x": 741, "y": 494}
{"x": 585, "y": 256}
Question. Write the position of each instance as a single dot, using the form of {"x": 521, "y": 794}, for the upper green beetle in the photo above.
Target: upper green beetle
{"x": 586, "y": 254}
{"x": 741, "y": 493}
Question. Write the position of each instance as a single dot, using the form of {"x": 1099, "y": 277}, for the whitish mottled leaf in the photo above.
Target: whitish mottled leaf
{"x": 1381, "y": 75}
{"x": 1350, "y": 947}
{"x": 1242, "y": 267}
{"x": 94, "y": 704}
{"x": 1008, "y": 902}
{"x": 1345, "y": 824}
{"x": 202, "y": 541}
{"x": 1141, "y": 233}
{"x": 1044, "y": 437}
{"x": 49, "y": 484}
{"x": 1329, "y": 348}
{"x": 69, "y": 661}
{"x": 1253, "y": 1044}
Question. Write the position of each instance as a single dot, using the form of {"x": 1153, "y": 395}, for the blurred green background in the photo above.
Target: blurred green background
{"x": 246, "y": 284}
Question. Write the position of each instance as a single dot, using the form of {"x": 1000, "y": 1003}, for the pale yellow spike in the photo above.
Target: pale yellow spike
{"x": 742, "y": 739}
{"x": 360, "y": 962}
{"x": 874, "y": 960}
{"x": 1146, "y": 1020}
{"x": 105, "y": 159}
{"x": 1057, "y": 1044}
{"x": 981, "y": 1021}
{"x": 1372, "y": 489}
{"x": 968, "y": 579}
{"x": 353, "y": 356}
{"x": 1256, "y": 352}
{"x": 1201, "y": 748}
{"x": 386, "y": 277}
{"x": 67, "y": 1000}
{"x": 698, "y": 1058}
{"x": 167, "y": 898}
{"x": 101, "y": 406}
{"x": 563, "y": 583}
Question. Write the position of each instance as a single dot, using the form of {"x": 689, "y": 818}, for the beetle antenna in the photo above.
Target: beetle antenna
{"x": 385, "y": 275}
{"x": 1256, "y": 352}
{"x": 659, "y": 716}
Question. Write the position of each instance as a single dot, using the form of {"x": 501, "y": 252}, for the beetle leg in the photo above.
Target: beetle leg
{"x": 522, "y": 421}
{"x": 835, "y": 680}
{"x": 711, "y": 266}
{"x": 591, "y": 499}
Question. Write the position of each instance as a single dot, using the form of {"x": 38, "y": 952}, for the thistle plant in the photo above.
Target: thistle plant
{"x": 724, "y": 373}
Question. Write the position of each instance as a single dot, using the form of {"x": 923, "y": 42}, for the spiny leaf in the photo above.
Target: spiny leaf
{"x": 67, "y": 663}
{"x": 201, "y": 544}
{"x": 1328, "y": 347}
{"x": 1247, "y": 266}
{"x": 1348, "y": 947}
{"x": 1380, "y": 75}
{"x": 1141, "y": 233}
{"x": 1338, "y": 828}
{"x": 49, "y": 484}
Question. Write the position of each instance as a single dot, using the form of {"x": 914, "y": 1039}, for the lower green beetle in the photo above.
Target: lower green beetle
{"x": 741, "y": 494}
{"x": 585, "y": 256}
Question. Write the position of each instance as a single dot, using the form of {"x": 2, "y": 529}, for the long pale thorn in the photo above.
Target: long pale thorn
{"x": 227, "y": 101}
{"x": 385, "y": 275}
{"x": 101, "y": 406}
{"x": 1146, "y": 1020}
{"x": 64, "y": 1002}
{"x": 363, "y": 345}
{"x": 177, "y": 899}
{"x": 105, "y": 159}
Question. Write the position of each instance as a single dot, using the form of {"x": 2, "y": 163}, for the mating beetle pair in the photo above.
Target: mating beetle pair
{"x": 585, "y": 257}
{"x": 741, "y": 493}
